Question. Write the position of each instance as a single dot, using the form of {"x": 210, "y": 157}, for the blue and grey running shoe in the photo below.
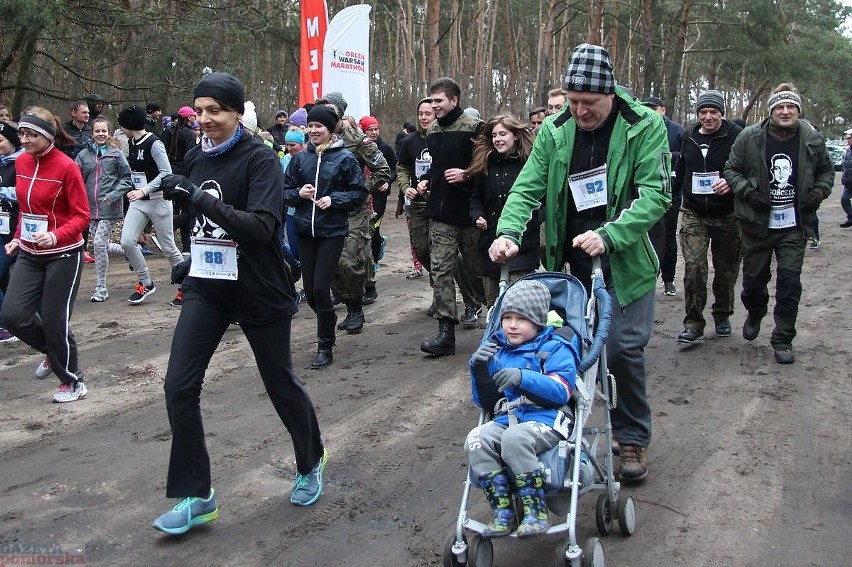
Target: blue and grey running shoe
{"x": 308, "y": 487}
{"x": 189, "y": 512}
{"x": 382, "y": 249}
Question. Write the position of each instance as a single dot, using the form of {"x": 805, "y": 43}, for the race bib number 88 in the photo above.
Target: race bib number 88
{"x": 214, "y": 259}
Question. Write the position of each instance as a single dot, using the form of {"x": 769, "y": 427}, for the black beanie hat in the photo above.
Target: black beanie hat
{"x": 133, "y": 117}
{"x": 325, "y": 115}
{"x": 224, "y": 88}
{"x": 8, "y": 131}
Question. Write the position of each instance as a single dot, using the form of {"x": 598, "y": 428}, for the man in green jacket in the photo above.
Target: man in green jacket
{"x": 604, "y": 169}
{"x": 780, "y": 173}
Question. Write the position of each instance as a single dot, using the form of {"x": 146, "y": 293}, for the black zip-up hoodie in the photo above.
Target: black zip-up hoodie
{"x": 691, "y": 160}
{"x": 450, "y": 140}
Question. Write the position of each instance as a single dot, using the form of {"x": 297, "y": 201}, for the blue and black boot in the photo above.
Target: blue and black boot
{"x": 531, "y": 491}
{"x": 496, "y": 488}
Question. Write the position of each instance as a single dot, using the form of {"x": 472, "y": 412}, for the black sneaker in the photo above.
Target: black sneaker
{"x": 669, "y": 288}
{"x": 723, "y": 328}
{"x": 178, "y": 300}
{"x": 370, "y": 296}
{"x": 751, "y": 328}
{"x": 689, "y": 336}
{"x": 847, "y": 224}
{"x": 142, "y": 291}
{"x": 471, "y": 316}
{"x": 784, "y": 355}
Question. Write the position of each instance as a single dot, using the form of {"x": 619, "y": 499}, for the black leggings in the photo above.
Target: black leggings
{"x": 197, "y": 335}
{"x": 319, "y": 262}
{"x": 38, "y": 304}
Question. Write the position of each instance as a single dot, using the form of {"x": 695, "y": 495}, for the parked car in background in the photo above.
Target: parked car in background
{"x": 836, "y": 149}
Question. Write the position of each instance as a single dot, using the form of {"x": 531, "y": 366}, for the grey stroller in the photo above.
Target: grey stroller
{"x": 583, "y": 463}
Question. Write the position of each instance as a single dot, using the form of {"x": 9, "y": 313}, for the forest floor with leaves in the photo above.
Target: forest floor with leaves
{"x": 748, "y": 464}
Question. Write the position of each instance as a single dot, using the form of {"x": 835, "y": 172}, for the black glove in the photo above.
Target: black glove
{"x": 296, "y": 272}
{"x": 757, "y": 201}
{"x": 811, "y": 201}
{"x": 179, "y": 188}
{"x": 484, "y": 353}
{"x": 507, "y": 378}
{"x": 180, "y": 271}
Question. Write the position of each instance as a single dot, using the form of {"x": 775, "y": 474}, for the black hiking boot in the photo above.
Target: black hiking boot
{"x": 445, "y": 342}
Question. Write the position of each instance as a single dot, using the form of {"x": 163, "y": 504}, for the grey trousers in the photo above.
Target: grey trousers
{"x": 625, "y": 348}
{"x": 159, "y": 211}
{"x": 491, "y": 445}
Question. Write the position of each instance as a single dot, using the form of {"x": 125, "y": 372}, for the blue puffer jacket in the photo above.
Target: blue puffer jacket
{"x": 335, "y": 173}
{"x": 548, "y": 366}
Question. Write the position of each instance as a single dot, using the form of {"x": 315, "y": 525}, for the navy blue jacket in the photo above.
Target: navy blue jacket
{"x": 336, "y": 173}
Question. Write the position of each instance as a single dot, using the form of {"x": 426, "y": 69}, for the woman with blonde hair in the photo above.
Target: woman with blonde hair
{"x": 107, "y": 176}
{"x": 54, "y": 212}
{"x": 499, "y": 153}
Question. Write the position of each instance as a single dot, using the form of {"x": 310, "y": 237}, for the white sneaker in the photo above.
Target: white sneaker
{"x": 70, "y": 392}
{"x": 44, "y": 370}
{"x": 101, "y": 294}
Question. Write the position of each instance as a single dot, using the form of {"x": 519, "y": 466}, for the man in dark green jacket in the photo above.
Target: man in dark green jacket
{"x": 604, "y": 167}
{"x": 780, "y": 173}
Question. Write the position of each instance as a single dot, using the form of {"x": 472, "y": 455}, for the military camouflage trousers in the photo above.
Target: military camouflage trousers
{"x": 351, "y": 274}
{"x": 722, "y": 237}
{"x": 446, "y": 243}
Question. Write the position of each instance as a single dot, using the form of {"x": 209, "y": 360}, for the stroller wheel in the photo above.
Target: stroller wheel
{"x": 593, "y": 553}
{"x": 603, "y": 514}
{"x": 481, "y": 552}
{"x": 626, "y": 512}
{"x": 450, "y": 559}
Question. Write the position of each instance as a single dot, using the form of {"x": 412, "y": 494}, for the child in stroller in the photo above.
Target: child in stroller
{"x": 534, "y": 367}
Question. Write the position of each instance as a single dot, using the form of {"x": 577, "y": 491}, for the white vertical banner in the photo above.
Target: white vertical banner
{"x": 346, "y": 58}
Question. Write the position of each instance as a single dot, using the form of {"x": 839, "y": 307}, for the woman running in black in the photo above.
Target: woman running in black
{"x": 236, "y": 273}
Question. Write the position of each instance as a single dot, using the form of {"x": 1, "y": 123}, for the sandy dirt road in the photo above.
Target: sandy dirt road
{"x": 749, "y": 460}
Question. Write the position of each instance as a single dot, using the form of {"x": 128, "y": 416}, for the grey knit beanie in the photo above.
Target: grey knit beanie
{"x": 337, "y": 100}
{"x": 710, "y": 99}
{"x": 528, "y": 298}
{"x": 590, "y": 70}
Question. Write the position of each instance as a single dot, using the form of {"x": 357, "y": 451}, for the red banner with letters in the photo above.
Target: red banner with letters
{"x": 314, "y": 15}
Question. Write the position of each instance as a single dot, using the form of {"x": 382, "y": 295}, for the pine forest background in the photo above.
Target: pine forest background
{"x": 506, "y": 54}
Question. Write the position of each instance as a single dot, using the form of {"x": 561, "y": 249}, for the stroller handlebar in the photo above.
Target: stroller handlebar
{"x": 604, "y": 320}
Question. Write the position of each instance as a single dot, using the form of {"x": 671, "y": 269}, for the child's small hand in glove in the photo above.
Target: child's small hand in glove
{"x": 507, "y": 378}
{"x": 484, "y": 353}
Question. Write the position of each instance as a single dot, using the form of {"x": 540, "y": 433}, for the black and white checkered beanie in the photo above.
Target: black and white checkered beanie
{"x": 528, "y": 298}
{"x": 590, "y": 70}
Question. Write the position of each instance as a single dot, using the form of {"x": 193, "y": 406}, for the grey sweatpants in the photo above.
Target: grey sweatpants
{"x": 491, "y": 445}
{"x": 159, "y": 211}
{"x": 629, "y": 334}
